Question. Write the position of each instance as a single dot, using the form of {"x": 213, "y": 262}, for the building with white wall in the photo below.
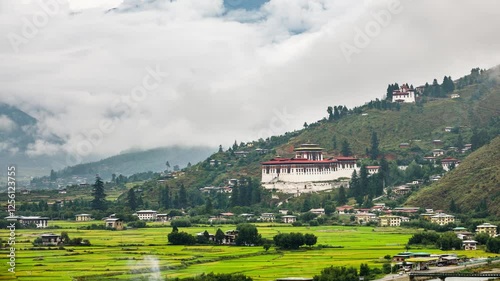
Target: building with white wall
{"x": 404, "y": 95}
{"x": 308, "y": 171}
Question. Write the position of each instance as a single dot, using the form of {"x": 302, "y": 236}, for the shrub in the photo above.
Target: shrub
{"x": 181, "y": 223}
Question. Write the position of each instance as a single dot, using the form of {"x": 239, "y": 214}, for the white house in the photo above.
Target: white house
{"x": 146, "y": 215}
{"x": 469, "y": 245}
{"x": 403, "y": 95}
{"x": 83, "y": 217}
{"x": 289, "y": 219}
{"x": 40, "y": 222}
{"x": 319, "y": 211}
{"x": 267, "y": 217}
{"x": 437, "y": 152}
{"x": 449, "y": 162}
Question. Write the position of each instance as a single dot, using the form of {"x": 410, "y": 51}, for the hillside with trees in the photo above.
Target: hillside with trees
{"x": 372, "y": 132}
{"x": 473, "y": 187}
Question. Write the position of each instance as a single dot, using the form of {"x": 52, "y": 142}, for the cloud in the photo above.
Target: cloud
{"x": 230, "y": 74}
{"x": 6, "y": 124}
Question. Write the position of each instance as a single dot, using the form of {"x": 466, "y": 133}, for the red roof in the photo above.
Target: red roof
{"x": 283, "y": 161}
{"x": 449, "y": 160}
{"x": 373, "y": 167}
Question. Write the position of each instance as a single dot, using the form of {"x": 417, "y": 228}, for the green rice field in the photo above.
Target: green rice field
{"x": 143, "y": 254}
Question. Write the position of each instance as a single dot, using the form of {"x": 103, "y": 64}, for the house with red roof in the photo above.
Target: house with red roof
{"x": 404, "y": 95}
{"x": 307, "y": 171}
{"x": 449, "y": 162}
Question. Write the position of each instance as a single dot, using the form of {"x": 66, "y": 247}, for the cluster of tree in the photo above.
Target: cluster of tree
{"x": 342, "y": 273}
{"x": 180, "y": 238}
{"x": 246, "y": 193}
{"x": 383, "y": 105}
{"x": 248, "y": 235}
{"x": 364, "y": 187}
{"x": 476, "y": 75}
{"x": 437, "y": 90}
{"x": 337, "y": 112}
{"x": 427, "y": 225}
{"x": 444, "y": 241}
{"x": 169, "y": 199}
{"x": 390, "y": 89}
{"x": 493, "y": 245}
{"x": 217, "y": 277}
{"x": 294, "y": 240}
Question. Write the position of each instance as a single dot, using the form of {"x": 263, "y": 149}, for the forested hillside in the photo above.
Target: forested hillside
{"x": 473, "y": 187}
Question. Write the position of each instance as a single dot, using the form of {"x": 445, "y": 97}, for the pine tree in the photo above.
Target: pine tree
{"x": 374, "y": 151}
{"x": 99, "y": 201}
{"x": 342, "y": 198}
{"x": 131, "y": 199}
{"x": 346, "y": 149}
{"x": 183, "y": 202}
{"x": 165, "y": 198}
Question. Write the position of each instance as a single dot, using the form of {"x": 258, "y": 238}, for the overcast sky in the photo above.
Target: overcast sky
{"x": 203, "y": 72}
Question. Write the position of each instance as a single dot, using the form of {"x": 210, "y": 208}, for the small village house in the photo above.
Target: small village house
{"x": 51, "y": 239}
{"x": 267, "y": 217}
{"x": 39, "y": 222}
{"x": 115, "y": 223}
{"x": 437, "y": 152}
{"x": 162, "y": 217}
{"x": 469, "y": 245}
{"x": 442, "y": 219}
{"x": 449, "y": 162}
{"x": 487, "y": 228}
{"x": 389, "y": 220}
{"x": 372, "y": 169}
{"x": 146, "y": 215}
{"x": 344, "y": 209}
{"x": 319, "y": 211}
{"x": 289, "y": 219}
{"x": 83, "y": 217}
{"x": 363, "y": 218}
{"x": 404, "y": 145}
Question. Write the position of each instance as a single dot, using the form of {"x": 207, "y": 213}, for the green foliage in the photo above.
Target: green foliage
{"x": 248, "y": 235}
{"x": 493, "y": 245}
{"x": 181, "y": 238}
{"x": 449, "y": 241}
{"x": 137, "y": 224}
{"x": 289, "y": 240}
{"x": 217, "y": 277}
{"x": 99, "y": 201}
{"x": 181, "y": 223}
{"x": 336, "y": 273}
{"x": 424, "y": 238}
{"x": 472, "y": 185}
{"x": 310, "y": 239}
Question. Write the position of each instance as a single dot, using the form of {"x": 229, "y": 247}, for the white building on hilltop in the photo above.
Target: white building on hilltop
{"x": 308, "y": 171}
{"x": 404, "y": 95}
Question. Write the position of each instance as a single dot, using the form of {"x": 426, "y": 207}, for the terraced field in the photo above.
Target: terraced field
{"x": 143, "y": 254}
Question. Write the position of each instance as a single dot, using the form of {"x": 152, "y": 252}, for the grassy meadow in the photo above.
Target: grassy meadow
{"x": 143, "y": 254}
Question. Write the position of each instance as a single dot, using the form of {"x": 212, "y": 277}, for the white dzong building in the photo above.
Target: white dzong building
{"x": 404, "y": 95}
{"x": 308, "y": 171}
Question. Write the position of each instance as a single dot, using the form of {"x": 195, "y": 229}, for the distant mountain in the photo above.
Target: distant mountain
{"x": 139, "y": 161}
{"x": 475, "y": 180}
{"x": 17, "y": 129}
